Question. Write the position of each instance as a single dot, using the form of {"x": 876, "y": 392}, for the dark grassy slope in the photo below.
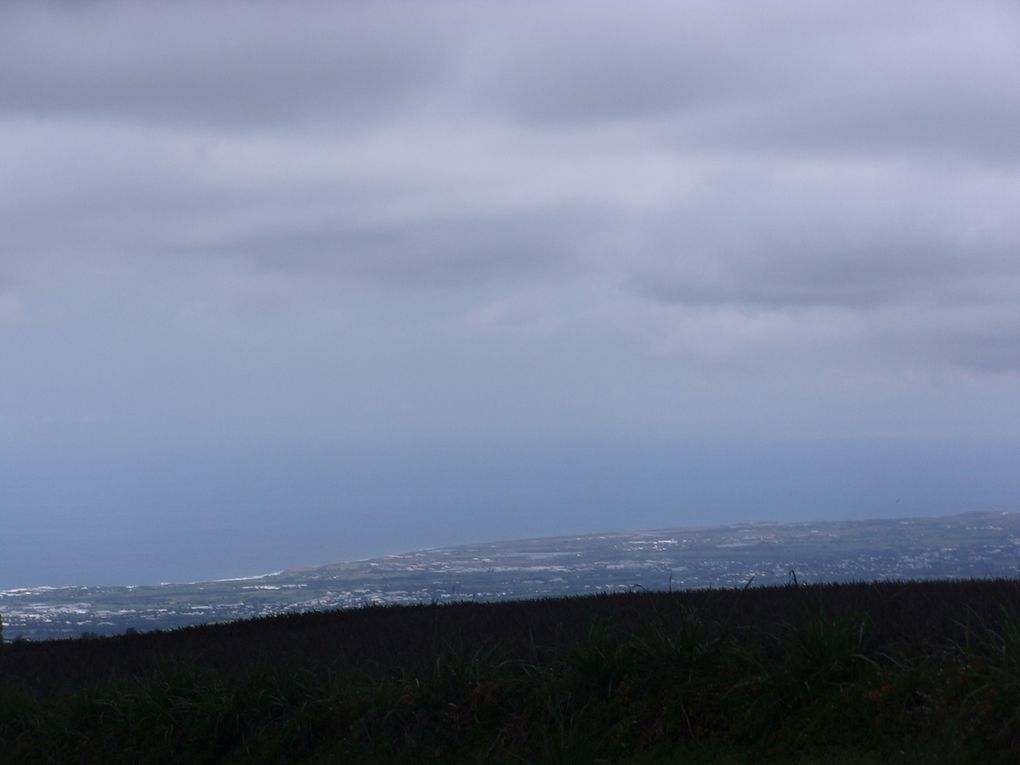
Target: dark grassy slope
{"x": 915, "y": 672}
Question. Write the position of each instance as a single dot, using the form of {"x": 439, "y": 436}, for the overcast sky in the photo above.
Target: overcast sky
{"x": 256, "y": 222}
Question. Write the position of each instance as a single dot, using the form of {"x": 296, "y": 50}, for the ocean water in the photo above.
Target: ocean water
{"x": 141, "y": 513}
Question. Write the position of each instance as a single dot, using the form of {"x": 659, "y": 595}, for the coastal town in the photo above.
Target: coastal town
{"x": 973, "y": 545}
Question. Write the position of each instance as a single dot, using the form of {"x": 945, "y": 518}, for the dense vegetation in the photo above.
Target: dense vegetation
{"x": 911, "y": 672}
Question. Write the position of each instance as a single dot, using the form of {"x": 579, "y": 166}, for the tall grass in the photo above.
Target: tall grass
{"x": 771, "y": 675}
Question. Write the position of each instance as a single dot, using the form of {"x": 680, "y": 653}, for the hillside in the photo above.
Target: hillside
{"x": 908, "y": 672}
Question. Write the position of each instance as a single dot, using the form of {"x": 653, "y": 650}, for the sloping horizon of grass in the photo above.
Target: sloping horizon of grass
{"x": 882, "y": 672}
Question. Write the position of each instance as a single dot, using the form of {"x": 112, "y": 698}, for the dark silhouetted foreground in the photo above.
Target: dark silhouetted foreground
{"x": 911, "y": 672}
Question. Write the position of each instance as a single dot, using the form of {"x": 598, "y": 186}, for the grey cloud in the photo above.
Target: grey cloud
{"x": 854, "y": 77}
{"x": 559, "y": 64}
{"x": 224, "y": 65}
{"x": 165, "y": 197}
{"x": 796, "y": 77}
{"x": 960, "y": 120}
{"x": 996, "y": 351}
{"x": 789, "y": 234}
{"x": 979, "y": 338}
{"x": 818, "y": 266}
{"x": 878, "y": 264}
{"x": 880, "y": 344}
{"x": 735, "y": 172}
{"x": 459, "y": 252}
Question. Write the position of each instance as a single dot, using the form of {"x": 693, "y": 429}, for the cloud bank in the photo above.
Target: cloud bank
{"x": 557, "y": 208}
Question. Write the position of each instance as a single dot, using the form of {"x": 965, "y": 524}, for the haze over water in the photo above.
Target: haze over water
{"x": 192, "y": 512}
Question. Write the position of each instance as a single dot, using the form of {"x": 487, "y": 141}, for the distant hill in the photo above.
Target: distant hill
{"x": 972, "y": 545}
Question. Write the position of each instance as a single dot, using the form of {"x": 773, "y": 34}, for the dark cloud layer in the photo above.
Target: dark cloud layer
{"x": 853, "y": 77}
{"x": 599, "y": 204}
{"x": 234, "y": 66}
